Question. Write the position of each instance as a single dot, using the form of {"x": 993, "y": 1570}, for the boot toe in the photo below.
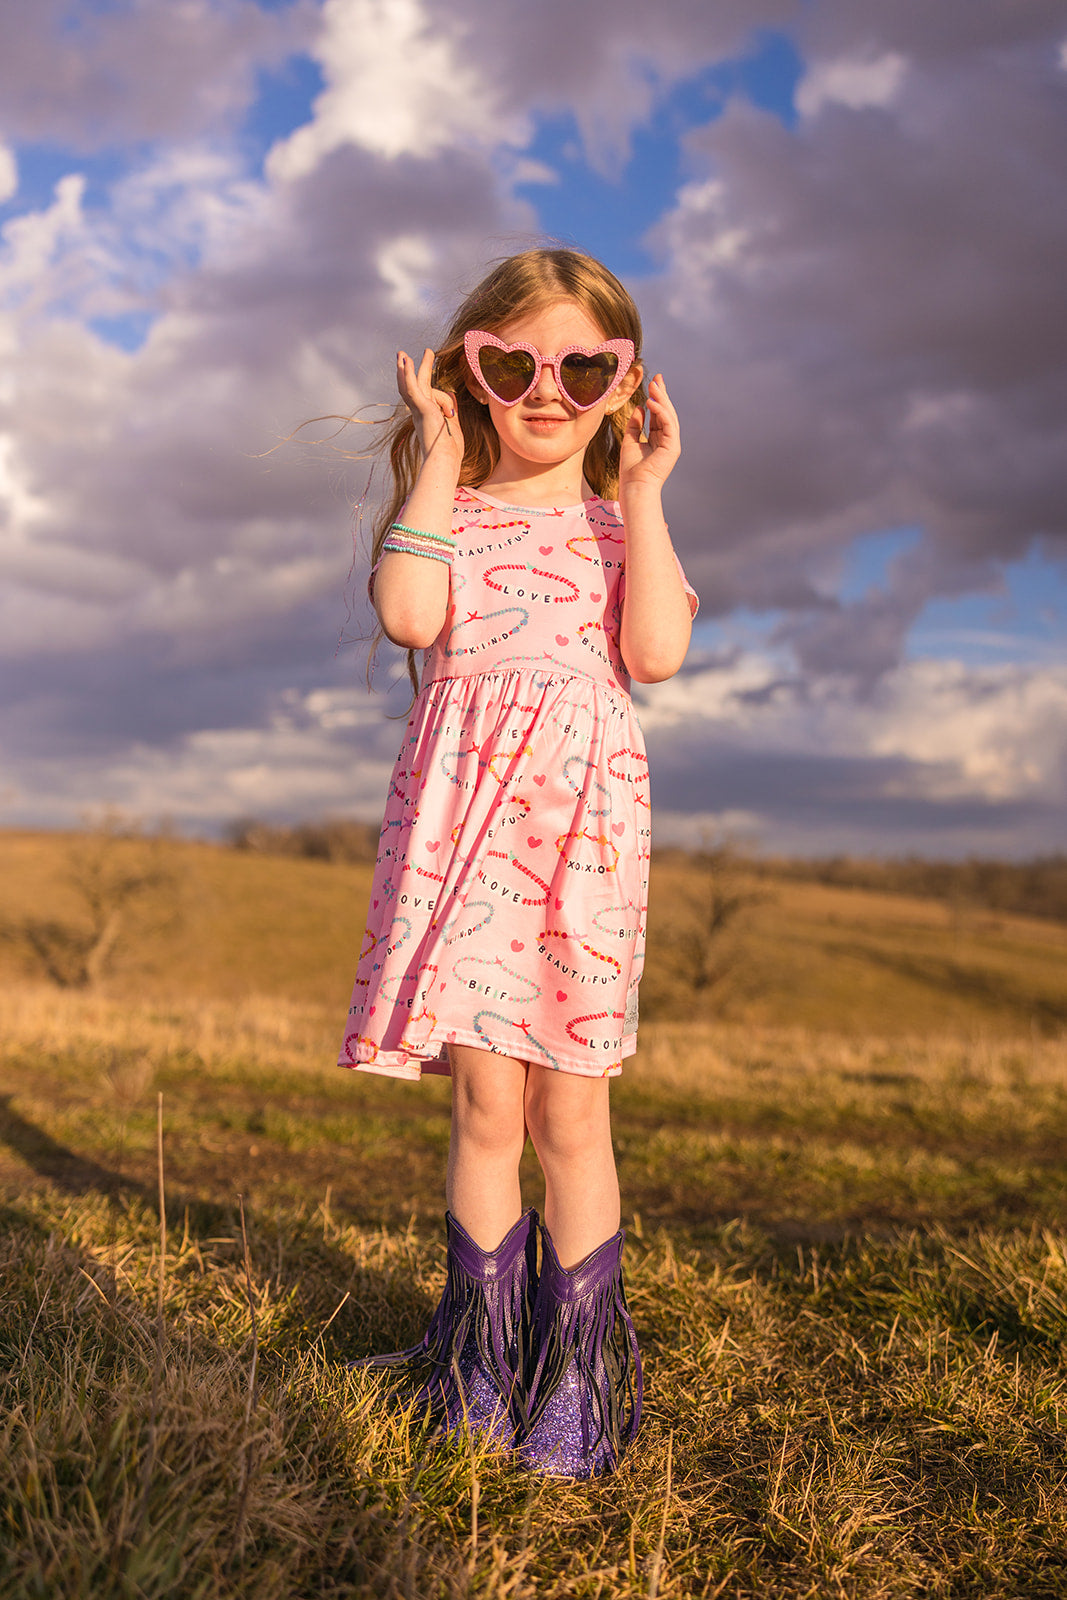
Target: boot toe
{"x": 558, "y": 1445}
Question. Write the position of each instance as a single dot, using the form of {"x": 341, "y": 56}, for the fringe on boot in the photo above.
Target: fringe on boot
{"x": 470, "y": 1363}
{"x": 583, "y": 1391}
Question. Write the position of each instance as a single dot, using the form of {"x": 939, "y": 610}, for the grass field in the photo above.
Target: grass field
{"x": 847, "y": 1261}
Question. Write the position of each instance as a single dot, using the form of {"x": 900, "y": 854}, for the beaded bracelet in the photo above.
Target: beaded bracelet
{"x": 438, "y": 538}
{"x": 405, "y": 541}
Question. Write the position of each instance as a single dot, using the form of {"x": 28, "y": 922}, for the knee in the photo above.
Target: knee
{"x": 569, "y": 1124}
{"x": 488, "y": 1120}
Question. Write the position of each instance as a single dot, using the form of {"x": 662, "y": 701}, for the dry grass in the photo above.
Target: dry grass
{"x": 846, "y": 1192}
{"x": 846, "y": 1261}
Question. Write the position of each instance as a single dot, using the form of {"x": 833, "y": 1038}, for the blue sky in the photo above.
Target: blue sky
{"x": 611, "y": 210}
{"x": 219, "y": 219}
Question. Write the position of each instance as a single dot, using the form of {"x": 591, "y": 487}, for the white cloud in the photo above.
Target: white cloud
{"x": 1000, "y": 731}
{"x": 996, "y": 733}
{"x": 700, "y": 240}
{"x": 78, "y": 261}
{"x": 9, "y": 173}
{"x": 219, "y": 593}
{"x": 406, "y": 265}
{"x": 853, "y": 81}
{"x": 185, "y": 203}
{"x": 398, "y": 82}
{"x": 20, "y": 506}
{"x": 526, "y": 170}
{"x": 264, "y": 771}
{"x": 45, "y": 254}
{"x": 205, "y": 778}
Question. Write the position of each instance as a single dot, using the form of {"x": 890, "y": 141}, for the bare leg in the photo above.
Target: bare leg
{"x": 569, "y": 1121}
{"x": 488, "y": 1134}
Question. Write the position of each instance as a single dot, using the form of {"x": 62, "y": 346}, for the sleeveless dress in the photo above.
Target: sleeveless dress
{"x": 510, "y": 890}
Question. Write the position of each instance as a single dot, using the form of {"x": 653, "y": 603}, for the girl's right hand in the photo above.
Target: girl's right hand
{"x": 434, "y": 413}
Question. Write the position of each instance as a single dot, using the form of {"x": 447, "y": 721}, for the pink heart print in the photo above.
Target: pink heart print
{"x": 433, "y": 844}
{"x": 595, "y": 597}
{"x": 617, "y": 828}
{"x": 561, "y": 638}
{"x": 532, "y": 842}
{"x": 540, "y": 778}
{"x": 517, "y": 945}
{"x": 561, "y": 994}
{"x": 559, "y": 904}
{"x": 545, "y": 549}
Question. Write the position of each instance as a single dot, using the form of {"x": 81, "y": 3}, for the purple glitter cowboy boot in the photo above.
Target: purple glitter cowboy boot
{"x": 583, "y": 1398}
{"x": 472, "y": 1356}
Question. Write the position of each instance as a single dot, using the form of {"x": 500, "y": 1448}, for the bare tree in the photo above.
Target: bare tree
{"x": 702, "y": 954}
{"x": 113, "y": 867}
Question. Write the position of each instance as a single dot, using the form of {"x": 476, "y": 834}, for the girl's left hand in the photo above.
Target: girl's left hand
{"x": 647, "y": 461}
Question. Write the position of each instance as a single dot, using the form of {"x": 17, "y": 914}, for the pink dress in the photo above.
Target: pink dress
{"x": 509, "y": 896}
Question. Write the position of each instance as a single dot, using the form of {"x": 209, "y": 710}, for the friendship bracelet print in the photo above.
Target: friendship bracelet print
{"x": 591, "y": 838}
{"x": 633, "y": 779}
{"x": 421, "y": 982}
{"x": 599, "y": 955}
{"x": 522, "y": 1027}
{"x": 582, "y": 790}
{"x": 596, "y": 541}
{"x": 451, "y": 936}
{"x": 627, "y": 931}
{"x": 513, "y": 860}
{"x": 531, "y": 990}
{"x": 529, "y": 512}
{"x": 495, "y": 639}
{"x": 502, "y": 911}
{"x": 593, "y": 1016}
{"x": 537, "y": 572}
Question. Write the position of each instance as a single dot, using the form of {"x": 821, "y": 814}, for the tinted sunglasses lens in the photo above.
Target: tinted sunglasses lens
{"x": 505, "y": 373}
{"x": 587, "y": 379}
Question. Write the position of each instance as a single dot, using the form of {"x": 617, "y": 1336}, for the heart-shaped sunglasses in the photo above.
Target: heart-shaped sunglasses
{"x": 510, "y": 371}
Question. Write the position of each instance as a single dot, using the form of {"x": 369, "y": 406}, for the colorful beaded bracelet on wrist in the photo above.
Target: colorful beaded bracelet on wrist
{"x": 410, "y": 550}
{"x": 405, "y": 541}
{"x": 419, "y": 533}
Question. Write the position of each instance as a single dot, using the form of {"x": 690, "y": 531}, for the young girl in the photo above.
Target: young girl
{"x": 525, "y": 551}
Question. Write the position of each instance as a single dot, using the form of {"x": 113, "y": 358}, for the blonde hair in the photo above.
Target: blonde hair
{"x": 516, "y": 286}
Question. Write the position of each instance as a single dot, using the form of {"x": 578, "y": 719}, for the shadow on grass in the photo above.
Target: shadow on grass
{"x": 74, "y": 1173}
{"x": 383, "y": 1311}
{"x": 159, "y": 1455}
{"x": 58, "y": 1163}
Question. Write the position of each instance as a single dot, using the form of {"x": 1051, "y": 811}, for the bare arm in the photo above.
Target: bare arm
{"x": 411, "y": 592}
{"x": 656, "y": 616}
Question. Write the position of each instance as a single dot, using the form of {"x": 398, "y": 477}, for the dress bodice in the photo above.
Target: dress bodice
{"x": 533, "y": 588}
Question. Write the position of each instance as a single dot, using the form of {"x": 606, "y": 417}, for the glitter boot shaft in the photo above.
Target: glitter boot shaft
{"x": 583, "y": 1397}
{"x": 470, "y": 1362}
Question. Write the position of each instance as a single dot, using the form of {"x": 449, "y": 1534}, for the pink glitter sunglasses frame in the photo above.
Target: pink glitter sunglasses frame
{"x": 476, "y": 339}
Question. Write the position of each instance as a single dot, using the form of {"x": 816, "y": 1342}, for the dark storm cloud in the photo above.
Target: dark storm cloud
{"x": 881, "y": 804}
{"x": 87, "y": 77}
{"x": 876, "y": 299}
